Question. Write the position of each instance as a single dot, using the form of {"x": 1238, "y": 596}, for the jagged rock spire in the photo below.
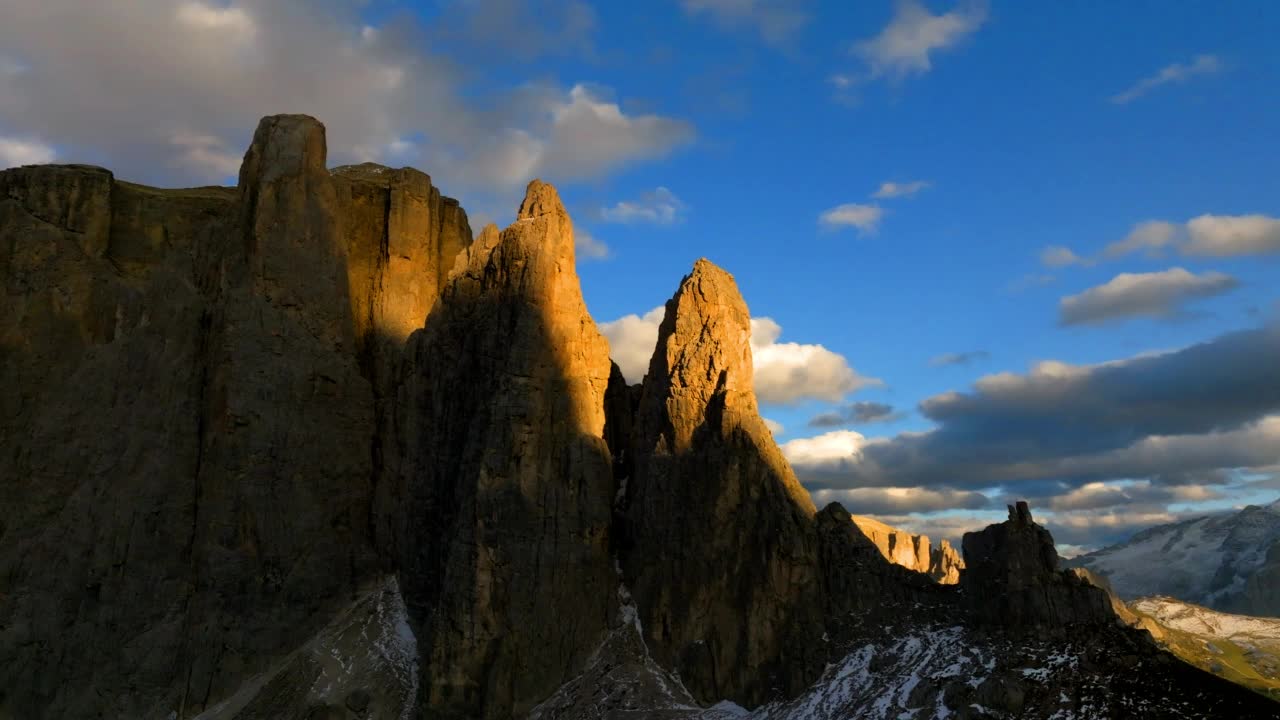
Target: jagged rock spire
{"x": 721, "y": 545}
{"x": 506, "y": 566}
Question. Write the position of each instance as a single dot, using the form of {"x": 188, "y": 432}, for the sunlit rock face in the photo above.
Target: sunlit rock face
{"x": 506, "y": 564}
{"x": 914, "y": 552}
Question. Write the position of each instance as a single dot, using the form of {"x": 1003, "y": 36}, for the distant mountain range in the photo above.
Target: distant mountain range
{"x": 1228, "y": 561}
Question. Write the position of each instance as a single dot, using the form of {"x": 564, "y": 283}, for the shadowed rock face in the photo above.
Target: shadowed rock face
{"x": 506, "y": 570}
{"x": 720, "y": 550}
{"x": 185, "y": 429}
{"x": 1011, "y": 580}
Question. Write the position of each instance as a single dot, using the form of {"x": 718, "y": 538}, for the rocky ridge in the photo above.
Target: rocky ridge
{"x": 558, "y": 539}
{"x": 914, "y": 552}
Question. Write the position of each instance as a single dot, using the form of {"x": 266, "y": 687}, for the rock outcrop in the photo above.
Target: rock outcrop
{"x": 720, "y": 547}
{"x": 506, "y": 568}
{"x": 914, "y": 552}
{"x": 1011, "y": 580}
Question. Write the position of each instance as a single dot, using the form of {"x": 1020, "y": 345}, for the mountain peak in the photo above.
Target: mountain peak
{"x": 540, "y": 198}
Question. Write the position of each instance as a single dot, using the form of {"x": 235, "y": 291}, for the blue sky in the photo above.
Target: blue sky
{"x": 1015, "y": 132}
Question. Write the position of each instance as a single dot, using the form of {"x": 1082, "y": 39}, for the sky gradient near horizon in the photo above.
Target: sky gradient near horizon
{"x": 992, "y": 249}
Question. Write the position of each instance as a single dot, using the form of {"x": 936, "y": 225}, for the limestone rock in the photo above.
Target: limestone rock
{"x": 184, "y": 431}
{"x": 1011, "y": 580}
{"x": 720, "y": 547}
{"x": 506, "y": 566}
{"x": 402, "y": 237}
{"x": 914, "y": 552}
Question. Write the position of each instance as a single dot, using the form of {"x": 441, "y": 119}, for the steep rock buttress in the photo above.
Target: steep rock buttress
{"x": 506, "y": 567}
{"x": 719, "y": 545}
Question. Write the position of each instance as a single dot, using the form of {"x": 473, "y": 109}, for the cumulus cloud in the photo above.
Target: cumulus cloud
{"x": 1199, "y": 66}
{"x": 1056, "y": 256}
{"x": 866, "y": 218}
{"x": 905, "y": 46}
{"x": 1152, "y": 236}
{"x": 894, "y": 500}
{"x": 775, "y": 20}
{"x": 1227, "y": 235}
{"x": 1102, "y": 495}
{"x": 774, "y": 426}
{"x": 1128, "y": 295}
{"x": 785, "y": 372}
{"x": 587, "y": 246}
{"x": 897, "y": 190}
{"x": 1203, "y": 236}
{"x": 659, "y": 206}
{"x": 177, "y": 90}
{"x": 15, "y": 152}
{"x": 858, "y": 413}
{"x": 960, "y": 358}
{"x": 1201, "y": 409}
{"x": 632, "y": 339}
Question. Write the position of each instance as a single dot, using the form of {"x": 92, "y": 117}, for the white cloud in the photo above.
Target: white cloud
{"x": 587, "y": 246}
{"x": 775, "y": 20}
{"x": 15, "y": 152}
{"x": 866, "y": 218}
{"x": 1156, "y": 294}
{"x": 1227, "y": 235}
{"x": 660, "y": 207}
{"x": 1177, "y": 72}
{"x": 1056, "y": 256}
{"x": 189, "y": 81}
{"x": 785, "y": 372}
{"x": 774, "y": 426}
{"x": 896, "y": 190}
{"x": 590, "y": 136}
{"x": 1152, "y": 236}
{"x": 885, "y": 500}
{"x": 905, "y": 45}
{"x": 829, "y": 450}
{"x": 632, "y": 339}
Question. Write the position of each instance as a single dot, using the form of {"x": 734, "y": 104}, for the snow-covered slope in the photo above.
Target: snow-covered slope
{"x": 1207, "y": 560}
{"x": 1240, "y": 648}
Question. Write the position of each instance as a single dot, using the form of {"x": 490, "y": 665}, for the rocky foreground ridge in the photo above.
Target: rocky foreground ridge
{"x": 305, "y": 448}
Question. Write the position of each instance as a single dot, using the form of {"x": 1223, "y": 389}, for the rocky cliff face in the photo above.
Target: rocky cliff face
{"x": 507, "y": 569}
{"x": 914, "y": 552}
{"x": 720, "y": 545}
{"x": 185, "y": 428}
